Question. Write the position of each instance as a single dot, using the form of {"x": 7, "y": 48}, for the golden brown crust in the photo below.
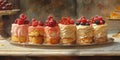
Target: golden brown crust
{"x": 101, "y": 40}
{"x": 20, "y": 39}
{"x": 115, "y": 15}
{"x": 35, "y": 40}
{"x": 85, "y": 41}
{"x": 14, "y": 38}
{"x": 67, "y": 41}
{"x": 50, "y": 41}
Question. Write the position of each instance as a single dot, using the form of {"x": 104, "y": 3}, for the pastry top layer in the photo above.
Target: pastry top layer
{"x": 84, "y": 31}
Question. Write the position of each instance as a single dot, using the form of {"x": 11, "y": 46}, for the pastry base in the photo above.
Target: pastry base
{"x": 35, "y": 39}
{"x": 68, "y": 41}
{"x": 50, "y": 41}
{"x": 100, "y": 40}
{"x": 85, "y": 41}
{"x": 21, "y": 39}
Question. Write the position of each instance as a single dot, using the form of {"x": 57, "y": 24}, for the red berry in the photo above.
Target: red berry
{"x": 20, "y": 22}
{"x": 50, "y": 17}
{"x": 84, "y": 21}
{"x": 51, "y": 22}
{"x": 16, "y": 20}
{"x": 26, "y": 22}
{"x": 91, "y": 21}
{"x": 40, "y": 23}
{"x": 22, "y": 16}
{"x": 69, "y": 19}
{"x": 65, "y": 21}
{"x": 82, "y": 18}
{"x": 102, "y": 22}
{"x": 35, "y": 23}
{"x": 95, "y": 18}
{"x": 72, "y": 22}
{"x": 100, "y": 18}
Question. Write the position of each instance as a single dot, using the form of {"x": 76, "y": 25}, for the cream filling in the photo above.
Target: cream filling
{"x": 67, "y": 31}
{"x": 100, "y": 30}
{"x": 14, "y": 29}
{"x": 84, "y": 31}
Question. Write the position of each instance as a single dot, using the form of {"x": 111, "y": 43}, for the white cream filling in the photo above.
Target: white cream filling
{"x": 67, "y": 31}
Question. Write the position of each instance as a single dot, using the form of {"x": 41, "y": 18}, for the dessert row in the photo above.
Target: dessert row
{"x": 5, "y": 5}
{"x": 67, "y": 31}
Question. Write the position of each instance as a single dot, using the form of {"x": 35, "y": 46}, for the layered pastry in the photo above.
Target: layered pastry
{"x": 116, "y": 13}
{"x": 100, "y": 30}
{"x": 85, "y": 32}
{"x": 19, "y": 30}
{"x": 36, "y": 32}
{"x": 52, "y": 31}
{"x": 117, "y": 8}
{"x": 67, "y": 31}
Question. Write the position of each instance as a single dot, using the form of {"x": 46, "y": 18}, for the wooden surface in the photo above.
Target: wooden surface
{"x": 7, "y": 49}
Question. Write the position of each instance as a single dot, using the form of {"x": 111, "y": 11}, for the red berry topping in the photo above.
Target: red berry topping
{"x": 35, "y": 23}
{"x": 26, "y": 22}
{"x": 82, "y": 18}
{"x": 20, "y": 22}
{"x": 51, "y": 22}
{"x": 50, "y": 17}
{"x": 72, "y": 22}
{"x": 100, "y": 18}
{"x": 22, "y": 16}
{"x": 102, "y": 22}
{"x": 66, "y": 21}
{"x": 82, "y": 21}
{"x": 40, "y": 23}
{"x": 33, "y": 19}
{"x": 16, "y": 20}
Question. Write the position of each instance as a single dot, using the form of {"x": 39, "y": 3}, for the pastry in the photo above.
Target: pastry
{"x": 19, "y": 30}
{"x": 85, "y": 32}
{"x": 100, "y": 30}
{"x": 52, "y": 31}
{"x": 67, "y": 31}
{"x": 36, "y": 32}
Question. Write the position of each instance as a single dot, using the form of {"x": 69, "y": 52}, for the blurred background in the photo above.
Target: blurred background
{"x": 40, "y": 9}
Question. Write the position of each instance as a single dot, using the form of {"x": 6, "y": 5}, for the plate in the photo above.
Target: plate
{"x": 109, "y": 40}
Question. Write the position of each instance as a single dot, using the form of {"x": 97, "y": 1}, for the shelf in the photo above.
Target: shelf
{"x": 113, "y": 19}
{"x": 9, "y": 12}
